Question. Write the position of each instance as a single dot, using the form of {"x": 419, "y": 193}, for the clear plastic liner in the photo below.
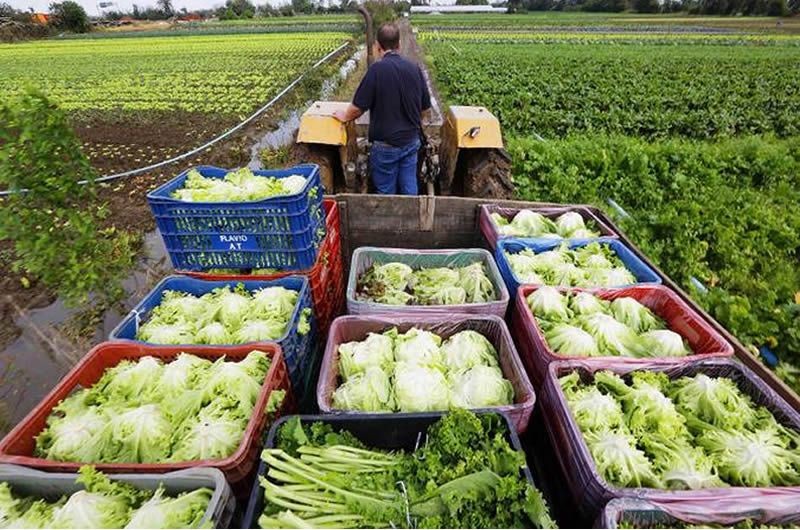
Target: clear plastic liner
{"x": 365, "y": 257}
{"x": 762, "y": 508}
{"x": 590, "y": 491}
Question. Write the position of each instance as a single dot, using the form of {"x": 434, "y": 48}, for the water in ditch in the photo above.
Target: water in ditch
{"x": 32, "y": 365}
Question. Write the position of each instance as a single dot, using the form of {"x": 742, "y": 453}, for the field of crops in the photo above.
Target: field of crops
{"x": 558, "y": 89}
{"x": 137, "y": 99}
{"x": 697, "y": 142}
{"x": 617, "y": 21}
{"x": 230, "y": 74}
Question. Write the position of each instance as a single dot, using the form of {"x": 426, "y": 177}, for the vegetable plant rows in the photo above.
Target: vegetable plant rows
{"x": 222, "y": 74}
{"x": 696, "y": 141}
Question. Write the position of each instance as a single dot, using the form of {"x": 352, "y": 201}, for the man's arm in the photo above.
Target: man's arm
{"x": 362, "y": 99}
{"x": 349, "y": 114}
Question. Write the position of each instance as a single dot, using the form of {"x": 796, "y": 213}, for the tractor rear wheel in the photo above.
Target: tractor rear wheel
{"x": 487, "y": 173}
{"x": 325, "y": 156}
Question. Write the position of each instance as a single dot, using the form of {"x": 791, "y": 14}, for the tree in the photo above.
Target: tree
{"x": 69, "y": 16}
{"x": 56, "y": 229}
{"x": 236, "y": 9}
{"x": 645, "y": 6}
{"x": 166, "y": 7}
{"x": 302, "y": 6}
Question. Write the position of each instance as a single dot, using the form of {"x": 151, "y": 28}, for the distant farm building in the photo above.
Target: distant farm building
{"x": 40, "y": 18}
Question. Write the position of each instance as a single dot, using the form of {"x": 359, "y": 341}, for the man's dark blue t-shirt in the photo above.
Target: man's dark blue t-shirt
{"x": 395, "y": 94}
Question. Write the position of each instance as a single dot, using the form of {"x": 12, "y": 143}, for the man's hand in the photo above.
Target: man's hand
{"x": 349, "y": 114}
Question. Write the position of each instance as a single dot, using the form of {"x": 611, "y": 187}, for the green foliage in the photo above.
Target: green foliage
{"x": 230, "y": 76}
{"x": 57, "y": 227}
{"x": 466, "y": 475}
{"x": 70, "y": 16}
{"x": 644, "y": 90}
{"x": 725, "y": 213}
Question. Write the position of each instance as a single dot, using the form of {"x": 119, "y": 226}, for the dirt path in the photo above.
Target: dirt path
{"x": 411, "y": 49}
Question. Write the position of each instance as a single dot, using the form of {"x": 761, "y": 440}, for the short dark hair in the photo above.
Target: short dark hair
{"x": 389, "y": 36}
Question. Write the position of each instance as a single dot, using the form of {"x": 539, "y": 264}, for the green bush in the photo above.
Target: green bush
{"x": 725, "y": 213}
{"x": 55, "y": 227}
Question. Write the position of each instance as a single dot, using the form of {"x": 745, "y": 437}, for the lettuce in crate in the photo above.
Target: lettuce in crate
{"x": 418, "y": 371}
{"x": 592, "y": 265}
{"x": 240, "y": 185}
{"x": 396, "y": 283}
{"x": 691, "y": 432}
{"x": 581, "y": 324}
{"x": 223, "y": 316}
{"x": 149, "y": 411}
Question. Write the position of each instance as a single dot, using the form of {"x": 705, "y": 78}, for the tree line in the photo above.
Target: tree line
{"x": 694, "y": 7}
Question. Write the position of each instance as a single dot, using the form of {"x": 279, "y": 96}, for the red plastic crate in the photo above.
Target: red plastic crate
{"x": 18, "y": 446}
{"x": 357, "y": 327}
{"x": 326, "y": 278}
{"x": 537, "y": 355}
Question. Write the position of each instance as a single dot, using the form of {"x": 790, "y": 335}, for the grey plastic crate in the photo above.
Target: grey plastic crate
{"x": 365, "y": 257}
{"x": 34, "y": 483}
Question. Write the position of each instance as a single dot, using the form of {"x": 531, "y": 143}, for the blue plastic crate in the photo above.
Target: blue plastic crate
{"x": 643, "y": 273}
{"x": 297, "y": 348}
{"x": 282, "y": 233}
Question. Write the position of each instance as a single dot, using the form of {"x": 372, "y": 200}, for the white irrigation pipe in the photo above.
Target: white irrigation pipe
{"x": 208, "y": 144}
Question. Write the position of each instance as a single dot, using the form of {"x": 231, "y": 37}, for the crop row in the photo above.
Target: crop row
{"x": 608, "y": 35}
{"x": 230, "y": 74}
{"x": 723, "y": 213}
{"x": 645, "y": 90}
{"x": 568, "y": 20}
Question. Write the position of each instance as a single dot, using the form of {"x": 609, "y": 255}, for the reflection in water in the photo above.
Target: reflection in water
{"x": 32, "y": 365}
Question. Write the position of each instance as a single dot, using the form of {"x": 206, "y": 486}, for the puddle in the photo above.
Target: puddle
{"x": 284, "y": 134}
{"x": 32, "y": 365}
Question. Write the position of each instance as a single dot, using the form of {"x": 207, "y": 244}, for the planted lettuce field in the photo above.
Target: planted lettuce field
{"x": 137, "y": 100}
{"x": 691, "y": 145}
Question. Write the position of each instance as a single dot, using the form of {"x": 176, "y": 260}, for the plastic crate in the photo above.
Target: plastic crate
{"x": 379, "y": 431}
{"x": 365, "y": 257}
{"x": 767, "y": 509}
{"x": 18, "y": 446}
{"x": 702, "y": 338}
{"x": 325, "y": 278}
{"x": 295, "y": 347}
{"x": 356, "y": 328}
{"x": 590, "y": 491}
{"x": 52, "y": 486}
{"x": 278, "y": 233}
{"x": 491, "y": 235}
{"x": 642, "y": 272}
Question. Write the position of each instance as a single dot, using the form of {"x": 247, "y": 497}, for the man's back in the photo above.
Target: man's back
{"x": 395, "y": 93}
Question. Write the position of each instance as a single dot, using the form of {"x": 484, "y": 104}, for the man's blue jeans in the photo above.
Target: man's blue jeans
{"x": 394, "y": 169}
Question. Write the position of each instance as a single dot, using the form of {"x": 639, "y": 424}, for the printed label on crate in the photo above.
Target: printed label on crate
{"x": 234, "y": 242}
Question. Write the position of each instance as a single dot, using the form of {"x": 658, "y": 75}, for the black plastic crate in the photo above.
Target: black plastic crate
{"x": 378, "y": 431}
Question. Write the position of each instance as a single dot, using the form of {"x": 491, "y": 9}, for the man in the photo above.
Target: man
{"x": 395, "y": 94}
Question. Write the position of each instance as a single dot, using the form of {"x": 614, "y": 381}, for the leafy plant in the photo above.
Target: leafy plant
{"x": 61, "y": 235}
{"x": 723, "y": 213}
